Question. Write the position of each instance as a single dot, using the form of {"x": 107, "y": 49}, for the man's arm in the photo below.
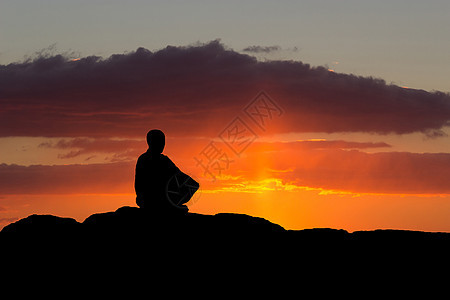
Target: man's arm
{"x": 172, "y": 168}
{"x": 188, "y": 185}
{"x": 138, "y": 184}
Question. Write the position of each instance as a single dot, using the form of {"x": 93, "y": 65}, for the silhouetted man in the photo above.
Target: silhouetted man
{"x": 160, "y": 186}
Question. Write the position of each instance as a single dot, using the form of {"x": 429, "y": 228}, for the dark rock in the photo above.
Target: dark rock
{"x": 174, "y": 247}
{"x": 399, "y": 236}
{"x": 42, "y": 225}
{"x": 322, "y": 234}
{"x": 135, "y": 225}
{"x": 133, "y": 220}
{"x": 244, "y": 224}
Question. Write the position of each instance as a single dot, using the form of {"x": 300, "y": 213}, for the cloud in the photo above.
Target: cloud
{"x": 115, "y": 175}
{"x": 196, "y": 90}
{"x": 336, "y": 165}
{"x": 342, "y": 169}
{"x": 390, "y": 172}
{"x": 314, "y": 145}
{"x": 115, "y": 150}
{"x": 261, "y": 49}
{"x": 123, "y": 148}
{"x": 107, "y": 178}
{"x": 339, "y": 166}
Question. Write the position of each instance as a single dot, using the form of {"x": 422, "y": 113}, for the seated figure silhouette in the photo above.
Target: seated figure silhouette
{"x": 160, "y": 185}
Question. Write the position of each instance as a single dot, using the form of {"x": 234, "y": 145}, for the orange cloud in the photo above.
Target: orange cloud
{"x": 327, "y": 165}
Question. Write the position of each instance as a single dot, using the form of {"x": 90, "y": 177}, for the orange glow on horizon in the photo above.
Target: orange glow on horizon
{"x": 304, "y": 183}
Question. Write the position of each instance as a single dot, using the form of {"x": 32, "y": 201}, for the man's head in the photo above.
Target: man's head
{"x": 156, "y": 141}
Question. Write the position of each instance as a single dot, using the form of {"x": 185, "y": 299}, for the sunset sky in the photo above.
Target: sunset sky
{"x": 307, "y": 113}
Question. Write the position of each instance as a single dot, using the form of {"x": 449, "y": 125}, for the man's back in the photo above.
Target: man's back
{"x": 153, "y": 172}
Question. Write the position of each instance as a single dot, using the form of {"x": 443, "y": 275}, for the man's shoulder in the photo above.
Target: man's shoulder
{"x": 147, "y": 155}
{"x": 167, "y": 160}
{"x": 143, "y": 157}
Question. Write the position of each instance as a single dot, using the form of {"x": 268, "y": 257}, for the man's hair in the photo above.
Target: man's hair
{"x": 156, "y": 140}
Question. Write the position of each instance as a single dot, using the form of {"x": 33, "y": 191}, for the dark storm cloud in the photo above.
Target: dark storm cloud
{"x": 196, "y": 90}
